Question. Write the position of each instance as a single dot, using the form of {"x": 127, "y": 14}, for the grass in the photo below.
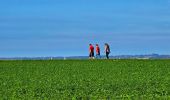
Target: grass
{"x": 85, "y": 79}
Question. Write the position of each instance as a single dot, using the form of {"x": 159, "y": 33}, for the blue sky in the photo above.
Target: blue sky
{"x": 66, "y": 27}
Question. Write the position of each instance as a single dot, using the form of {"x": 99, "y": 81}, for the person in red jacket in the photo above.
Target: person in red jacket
{"x": 91, "y": 51}
{"x": 97, "y": 51}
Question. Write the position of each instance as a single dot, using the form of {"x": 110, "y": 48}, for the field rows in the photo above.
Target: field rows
{"x": 85, "y": 79}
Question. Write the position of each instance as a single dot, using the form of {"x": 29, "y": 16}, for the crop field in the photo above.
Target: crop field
{"x": 85, "y": 79}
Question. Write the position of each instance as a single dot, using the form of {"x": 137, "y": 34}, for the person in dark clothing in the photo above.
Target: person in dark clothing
{"x": 107, "y": 50}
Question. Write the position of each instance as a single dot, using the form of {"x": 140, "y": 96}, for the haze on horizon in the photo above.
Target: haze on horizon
{"x": 66, "y": 27}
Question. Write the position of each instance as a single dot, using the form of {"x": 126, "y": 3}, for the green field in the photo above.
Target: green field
{"x": 85, "y": 79}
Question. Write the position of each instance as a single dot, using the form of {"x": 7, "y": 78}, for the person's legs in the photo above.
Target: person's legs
{"x": 93, "y": 55}
{"x": 97, "y": 56}
{"x": 107, "y": 55}
{"x": 90, "y": 55}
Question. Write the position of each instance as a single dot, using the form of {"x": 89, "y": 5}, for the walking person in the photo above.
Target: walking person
{"x": 91, "y": 51}
{"x": 107, "y": 50}
{"x": 97, "y": 51}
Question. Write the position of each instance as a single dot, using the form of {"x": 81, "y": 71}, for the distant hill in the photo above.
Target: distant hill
{"x": 149, "y": 56}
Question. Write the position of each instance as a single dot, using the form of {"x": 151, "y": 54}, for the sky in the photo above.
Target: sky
{"x": 31, "y": 28}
